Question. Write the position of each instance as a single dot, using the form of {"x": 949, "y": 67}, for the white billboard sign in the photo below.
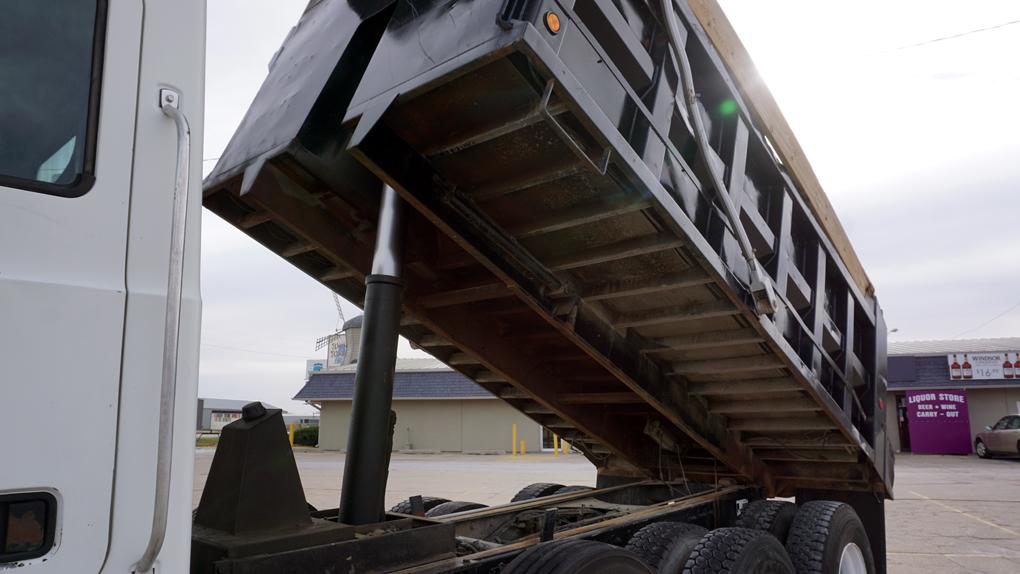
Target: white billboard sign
{"x": 336, "y": 350}
{"x": 314, "y": 366}
{"x": 983, "y": 366}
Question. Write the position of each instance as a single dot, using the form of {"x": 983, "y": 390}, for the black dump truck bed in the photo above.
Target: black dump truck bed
{"x": 566, "y": 248}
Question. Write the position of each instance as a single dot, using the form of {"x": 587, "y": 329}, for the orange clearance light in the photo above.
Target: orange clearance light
{"x": 552, "y": 22}
{"x": 881, "y": 404}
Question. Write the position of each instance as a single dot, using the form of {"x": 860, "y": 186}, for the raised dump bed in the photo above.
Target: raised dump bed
{"x": 566, "y": 247}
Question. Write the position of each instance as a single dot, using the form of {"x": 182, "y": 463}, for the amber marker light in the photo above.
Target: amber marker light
{"x": 552, "y": 22}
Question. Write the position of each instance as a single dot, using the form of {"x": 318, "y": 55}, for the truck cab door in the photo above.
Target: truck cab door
{"x": 68, "y": 85}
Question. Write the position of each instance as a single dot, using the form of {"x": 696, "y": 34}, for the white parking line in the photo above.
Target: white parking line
{"x": 952, "y": 555}
{"x": 967, "y": 514}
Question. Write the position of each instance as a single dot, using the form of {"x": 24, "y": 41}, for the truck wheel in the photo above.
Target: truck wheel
{"x": 738, "y": 551}
{"x": 452, "y": 507}
{"x": 981, "y": 449}
{"x": 828, "y": 538}
{"x": 537, "y": 490}
{"x": 429, "y": 502}
{"x": 573, "y": 488}
{"x": 772, "y": 516}
{"x": 665, "y": 546}
{"x": 575, "y": 556}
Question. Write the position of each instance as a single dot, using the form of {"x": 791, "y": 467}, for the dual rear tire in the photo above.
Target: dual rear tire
{"x": 772, "y": 516}
{"x": 665, "y": 546}
{"x": 772, "y": 537}
{"x": 738, "y": 551}
{"x": 537, "y": 490}
{"x": 540, "y": 489}
{"x": 694, "y": 551}
{"x": 435, "y": 506}
{"x": 428, "y": 503}
{"x": 453, "y": 507}
{"x": 828, "y": 538}
{"x": 679, "y": 548}
{"x": 576, "y": 556}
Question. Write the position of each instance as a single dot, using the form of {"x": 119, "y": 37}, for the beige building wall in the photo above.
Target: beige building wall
{"x": 488, "y": 425}
{"x": 334, "y": 418}
{"x": 984, "y": 407}
{"x": 428, "y": 425}
{"x": 989, "y": 405}
{"x": 468, "y": 425}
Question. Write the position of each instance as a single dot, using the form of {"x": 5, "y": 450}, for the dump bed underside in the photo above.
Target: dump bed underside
{"x": 564, "y": 252}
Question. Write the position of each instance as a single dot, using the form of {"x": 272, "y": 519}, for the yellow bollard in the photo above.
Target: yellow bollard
{"x": 513, "y": 441}
{"x": 523, "y": 450}
{"x": 556, "y": 445}
{"x": 290, "y": 435}
{"x": 563, "y": 446}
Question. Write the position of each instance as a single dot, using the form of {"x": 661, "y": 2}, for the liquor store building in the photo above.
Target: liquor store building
{"x": 942, "y": 393}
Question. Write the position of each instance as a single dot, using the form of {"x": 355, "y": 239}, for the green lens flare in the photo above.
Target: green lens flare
{"x": 728, "y": 107}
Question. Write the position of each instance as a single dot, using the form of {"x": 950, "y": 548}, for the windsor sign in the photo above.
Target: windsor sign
{"x": 983, "y": 366}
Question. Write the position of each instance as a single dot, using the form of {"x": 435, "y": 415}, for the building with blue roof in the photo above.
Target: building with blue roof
{"x": 437, "y": 408}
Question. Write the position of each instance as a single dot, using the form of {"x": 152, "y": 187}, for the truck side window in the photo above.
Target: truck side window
{"x": 50, "y": 55}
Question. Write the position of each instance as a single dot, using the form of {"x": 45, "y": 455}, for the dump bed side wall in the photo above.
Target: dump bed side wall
{"x": 763, "y": 107}
{"x": 567, "y": 254}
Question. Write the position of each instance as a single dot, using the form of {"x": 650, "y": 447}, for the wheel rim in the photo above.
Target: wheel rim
{"x": 852, "y": 560}
{"x": 981, "y": 449}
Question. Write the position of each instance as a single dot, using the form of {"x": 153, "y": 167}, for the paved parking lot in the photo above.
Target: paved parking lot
{"x": 951, "y": 514}
{"x": 955, "y": 514}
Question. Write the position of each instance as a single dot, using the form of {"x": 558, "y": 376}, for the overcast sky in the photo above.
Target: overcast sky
{"x": 907, "y": 109}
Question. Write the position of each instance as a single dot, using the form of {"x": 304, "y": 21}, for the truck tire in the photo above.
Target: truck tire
{"x": 576, "y": 556}
{"x": 451, "y": 507}
{"x": 738, "y": 551}
{"x": 573, "y": 488}
{"x": 537, "y": 490}
{"x": 665, "y": 546}
{"x": 772, "y": 516}
{"x": 828, "y": 538}
{"x": 429, "y": 502}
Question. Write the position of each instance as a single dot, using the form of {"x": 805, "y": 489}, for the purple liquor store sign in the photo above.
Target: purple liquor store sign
{"x": 939, "y": 423}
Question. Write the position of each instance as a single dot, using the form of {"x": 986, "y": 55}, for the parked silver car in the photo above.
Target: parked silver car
{"x": 1001, "y": 438}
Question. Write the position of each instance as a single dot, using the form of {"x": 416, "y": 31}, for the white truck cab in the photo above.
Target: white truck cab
{"x": 88, "y": 161}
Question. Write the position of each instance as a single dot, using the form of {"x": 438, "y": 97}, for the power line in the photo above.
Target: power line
{"x": 1000, "y": 315}
{"x": 960, "y": 35}
{"x": 254, "y": 351}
